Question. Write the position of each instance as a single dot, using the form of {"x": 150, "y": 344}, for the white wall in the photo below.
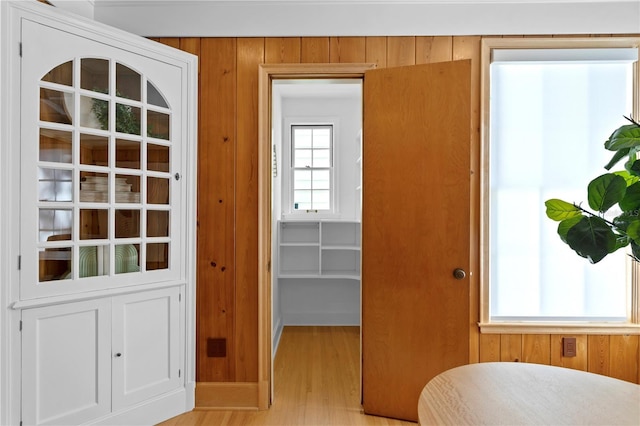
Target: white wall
{"x": 276, "y": 203}
{"x": 83, "y": 8}
{"x": 218, "y": 18}
{"x": 348, "y": 111}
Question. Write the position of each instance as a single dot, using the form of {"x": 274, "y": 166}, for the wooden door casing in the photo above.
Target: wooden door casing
{"x": 415, "y": 231}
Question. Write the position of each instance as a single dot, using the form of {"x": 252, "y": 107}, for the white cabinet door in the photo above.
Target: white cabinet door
{"x": 66, "y": 363}
{"x": 103, "y": 135}
{"x": 146, "y": 357}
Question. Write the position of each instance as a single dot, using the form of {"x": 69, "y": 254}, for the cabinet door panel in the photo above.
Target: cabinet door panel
{"x": 66, "y": 367}
{"x": 101, "y": 143}
{"x": 145, "y": 334}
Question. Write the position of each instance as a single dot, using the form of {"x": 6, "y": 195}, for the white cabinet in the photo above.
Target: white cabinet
{"x": 97, "y": 261}
{"x": 84, "y": 360}
{"x": 319, "y": 249}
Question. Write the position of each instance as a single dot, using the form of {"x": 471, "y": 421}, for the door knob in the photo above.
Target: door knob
{"x": 459, "y": 273}
{"x": 118, "y": 355}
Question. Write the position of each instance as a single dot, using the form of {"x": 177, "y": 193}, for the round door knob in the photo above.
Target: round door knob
{"x": 459, "y": 273}
{"x": 118, "y": 355}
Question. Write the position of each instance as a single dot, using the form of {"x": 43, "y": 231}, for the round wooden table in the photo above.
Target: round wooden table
{"x": 516, "y": 393}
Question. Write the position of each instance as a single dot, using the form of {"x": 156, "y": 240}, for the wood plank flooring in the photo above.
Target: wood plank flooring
{"x": 317, "y": 374}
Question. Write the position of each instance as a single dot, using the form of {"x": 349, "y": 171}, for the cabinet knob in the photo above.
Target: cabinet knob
{"x": 118, "y": 355}
{"x": 459, "y": 273}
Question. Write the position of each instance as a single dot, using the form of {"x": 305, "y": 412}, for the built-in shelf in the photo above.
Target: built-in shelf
{"x": 319, "y": 249}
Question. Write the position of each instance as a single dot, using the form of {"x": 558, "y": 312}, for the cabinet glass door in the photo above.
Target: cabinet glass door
{"x": 100, "y": 161}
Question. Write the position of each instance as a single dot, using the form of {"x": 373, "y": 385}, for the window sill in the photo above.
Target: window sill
{"x": 558, "y": 328}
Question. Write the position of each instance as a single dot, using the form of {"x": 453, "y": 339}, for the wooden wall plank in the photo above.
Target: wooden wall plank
{"x": 216, "y": 207}
{"x": 282, "y": 50}
{"x": 376, "y": 51}
{"x": 314, "y": 50}
{"x": 191, "y": 45}
{"x": 169, "y": 41}
{"x": 469, "y": 48}
{"x": 536, "y": 348}
{"x": 347, "y": 49}
{"x": 624, "y": 357}
{"x": 511, "y": 347}
{"x": 434, "y": 49}
{"x": 578, "y": 362}
{"x": 598, "y": 354}
{"x": 251, "y": 53}
{"x": 489, "y": 348}
{"x": 401, "y": 51}
{"x": 226, "y": 300}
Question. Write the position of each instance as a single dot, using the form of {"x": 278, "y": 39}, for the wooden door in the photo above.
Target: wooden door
{"x": 415, "y": 231}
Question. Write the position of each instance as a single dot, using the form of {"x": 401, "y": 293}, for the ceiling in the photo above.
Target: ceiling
{"x": 247, "y": 18}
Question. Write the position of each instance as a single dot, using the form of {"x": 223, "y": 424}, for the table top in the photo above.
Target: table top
{"x": 516, "y": 393}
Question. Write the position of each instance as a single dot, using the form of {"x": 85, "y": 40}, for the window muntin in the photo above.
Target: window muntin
{"x": 311, "y": 168}
{"x": 543, "y": 112}
{"x": 103, "y": 172}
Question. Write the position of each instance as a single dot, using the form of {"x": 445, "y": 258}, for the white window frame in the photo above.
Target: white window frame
{"x": 522, "y": 325}
{"x": 288, "y": 212}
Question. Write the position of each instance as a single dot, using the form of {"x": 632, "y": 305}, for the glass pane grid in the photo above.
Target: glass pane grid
{"x": 103, "y": 191}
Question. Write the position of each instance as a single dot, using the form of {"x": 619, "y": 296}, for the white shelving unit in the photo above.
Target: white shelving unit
{"x": 319, "y": 249}
{"x": 319, "y": 272}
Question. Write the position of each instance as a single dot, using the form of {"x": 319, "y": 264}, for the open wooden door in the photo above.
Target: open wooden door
{"x": 415, "y": 231}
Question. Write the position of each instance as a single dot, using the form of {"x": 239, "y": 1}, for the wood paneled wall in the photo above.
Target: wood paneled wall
{"x": 227, "y": 250}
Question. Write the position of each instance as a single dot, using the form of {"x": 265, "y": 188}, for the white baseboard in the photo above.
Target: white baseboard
{"x": 277, "y": 333}
{"x": 150, "y": 412}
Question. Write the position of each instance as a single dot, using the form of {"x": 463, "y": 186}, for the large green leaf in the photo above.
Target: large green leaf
{"x": 633, "y": 231}
{"x": 560, "y": 210}
{"x": 565, "y": 225}
{"x": 625, "y": 219}
{"x": 621, "y": 241}
{"x": 633, "y": 166}
{"x": 592, "y": 238}
{"x": 631, "y": 199}
{"x": 628, "y": 177}
{"x": 626, "y": 136}
{"x": 605, "y": 191}
{"x": 619, "y": 155}
{"x": 635, "y": 251}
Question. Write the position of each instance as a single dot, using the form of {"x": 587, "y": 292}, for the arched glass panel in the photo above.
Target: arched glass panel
{"x": 104, "y": 184}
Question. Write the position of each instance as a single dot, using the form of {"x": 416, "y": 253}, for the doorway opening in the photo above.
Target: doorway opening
{"x": 309, "y": 204}
{"x": 316, "y": 205}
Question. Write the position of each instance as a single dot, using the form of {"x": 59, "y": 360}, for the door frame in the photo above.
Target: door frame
{"x": 266, "y": 74}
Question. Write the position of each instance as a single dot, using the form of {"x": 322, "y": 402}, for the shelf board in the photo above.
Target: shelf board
{"x": 309, "y": 244}
{"x": 340, "y": 247}
{"x": 341, "y": 274}
{"x": 324, "y": 276}
{"x": 301, "y": 274}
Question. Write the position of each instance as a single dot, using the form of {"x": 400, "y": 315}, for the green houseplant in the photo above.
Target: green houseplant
{"x": 614, "y": 199}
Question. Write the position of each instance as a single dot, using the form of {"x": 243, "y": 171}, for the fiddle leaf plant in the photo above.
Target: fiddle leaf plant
{"x": 594, "y": 233}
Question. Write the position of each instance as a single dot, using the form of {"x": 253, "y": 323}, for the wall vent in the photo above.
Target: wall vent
{"x": 216, "y": 347}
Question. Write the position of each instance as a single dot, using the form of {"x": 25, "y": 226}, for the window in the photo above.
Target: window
{"x": 311, "y": 168}
{"x": 551, "y": 105}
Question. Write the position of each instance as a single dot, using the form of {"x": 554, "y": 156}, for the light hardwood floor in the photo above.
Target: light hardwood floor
{"x": 317, "y": 373}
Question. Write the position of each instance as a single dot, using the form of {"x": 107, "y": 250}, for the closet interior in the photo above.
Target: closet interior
{"x": 316, "y": 202}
